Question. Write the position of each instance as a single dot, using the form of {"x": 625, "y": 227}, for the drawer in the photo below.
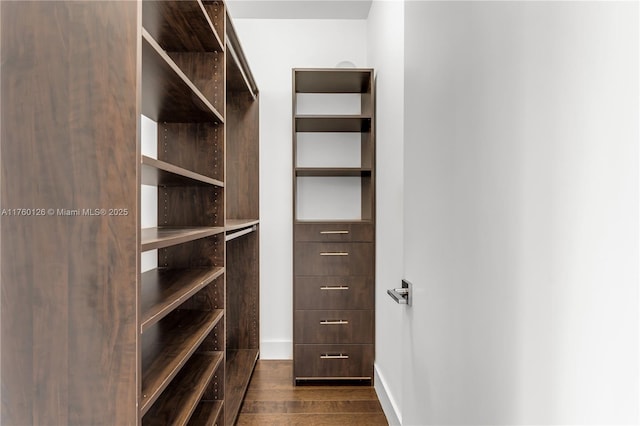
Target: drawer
{"x": 334, "y": 292}
{"x": 333, "y": 361}
{"x": 338, "y": 259}
{"x": 338, "y": 232}
{"x": 333, "y": 326}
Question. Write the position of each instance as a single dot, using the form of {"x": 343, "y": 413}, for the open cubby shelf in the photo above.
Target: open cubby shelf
{"x": 167, "y": 347}
{"x": 334, "y": 80}
{"x": 180, "y": 399}
{"x": 164, "y": 289}
{"x": 181, "y": 26}
{"x": 239, "y": 367}
{"x": 167, "y": 93}
{"x": 332, "y": 123}
{"x": 207, "y": 413}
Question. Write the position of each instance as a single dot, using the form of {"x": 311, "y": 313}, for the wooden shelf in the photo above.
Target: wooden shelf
{"x": 163, "y": 290}
{"x": 179, "y": 400}
{"x": 206, "y": 414}
{"x": 155, "y": 238}
{"x": 333, "y": 171}
{"x": 332, "y": 123}
{"x": 167, "y": 93}
{"x": 180, "y": 26}
{"x": 239, "y": 367}
{"x": 347, "y": 80}
{"x": 156, "y": 172}
{"x": 167, "y": 347}
{"x": 233, "y": 224}
{"x": 346, "y": 221}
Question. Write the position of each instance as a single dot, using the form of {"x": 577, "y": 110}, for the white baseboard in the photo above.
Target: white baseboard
{"x": 389, "y": 405}
{"x": 276, "y": 349}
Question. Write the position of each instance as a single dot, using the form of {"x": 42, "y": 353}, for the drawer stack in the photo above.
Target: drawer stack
{"x": 334, "y": 301}
{"x": 334, "y": 224}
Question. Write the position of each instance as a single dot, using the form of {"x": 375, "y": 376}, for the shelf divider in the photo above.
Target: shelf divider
{"x": 333, "y": 171}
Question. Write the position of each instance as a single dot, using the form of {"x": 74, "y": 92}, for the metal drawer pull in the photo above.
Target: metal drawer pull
{"x": 333, "y": 232}
{"x": 334, "y": 253}
{"x": 334, "y": 322}
{"x": 334, "y": 356}
{"x": 334, "y": 287}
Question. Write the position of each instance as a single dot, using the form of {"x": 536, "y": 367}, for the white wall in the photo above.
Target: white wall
{"x": 385, "y": 53}
{"x": 273, "y": 47}
{"x": 521, "y": 149}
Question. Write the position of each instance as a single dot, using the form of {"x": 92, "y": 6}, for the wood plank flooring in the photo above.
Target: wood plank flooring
{"x": 272, "y": 399}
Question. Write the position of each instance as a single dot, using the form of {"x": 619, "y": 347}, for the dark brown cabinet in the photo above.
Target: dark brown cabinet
{"x": 334, "y": 224}
{"x": 91, "y": 334}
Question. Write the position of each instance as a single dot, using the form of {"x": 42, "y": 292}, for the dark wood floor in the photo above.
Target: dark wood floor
{"x": 273, "y": 400}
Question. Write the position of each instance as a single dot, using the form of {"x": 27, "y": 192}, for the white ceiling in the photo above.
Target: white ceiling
{"x": 299, "y": 9}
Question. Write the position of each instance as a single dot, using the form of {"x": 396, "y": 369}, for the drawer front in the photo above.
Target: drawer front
{"x": 333, "y": 326}
{"x": 334, "y": 292}
{"x": 337, "y": 232}
{"x": 336, "y": 259}
{"x": 333, "y": 361}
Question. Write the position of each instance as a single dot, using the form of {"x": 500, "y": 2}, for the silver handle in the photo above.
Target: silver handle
{"x": 334, "y": 253}
{"x": 334, "y": 232}
{"x": 334, "y": 322}
{"x": 334, "y": 287}
{"x": 403, "y": 294}
{"x": 332, "y": 356}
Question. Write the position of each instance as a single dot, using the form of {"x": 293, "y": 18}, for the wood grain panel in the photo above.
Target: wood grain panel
{"x": 180, "y": 399}
{"x": 206, "y": 71}
{"x": 69, "y": 113}
{"x": 198, "y": 147}
{"x": 242, "y": 157}
{"x": 190, "y": 206}
{"x": 332, "y": 292}
{"x": 180, "y": 26}
{"x": 333, "y": 326}
{"x": 334, "y": 231}
{"x": 357, "y": 361}
{"x": 322, "y": 259}
{"x": 335, "y": 80}
{"x": 243, "y": 298}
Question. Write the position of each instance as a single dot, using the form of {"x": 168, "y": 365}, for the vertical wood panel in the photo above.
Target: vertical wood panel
{"x": 69, "y": 141}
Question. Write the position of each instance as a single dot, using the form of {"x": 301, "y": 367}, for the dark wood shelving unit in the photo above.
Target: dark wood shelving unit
{"x": 155, "y": 238}
{"x": 332, "y": 123}
{"x": 167, "y": 347}
{"x": 160, "y": 173}
{"x": 177, "y": 403}
{"x": 332, "y": 252}
{"x": 333, "y": 80}
{"x": 106, "y": 342}
{"x": 164, "y": 289}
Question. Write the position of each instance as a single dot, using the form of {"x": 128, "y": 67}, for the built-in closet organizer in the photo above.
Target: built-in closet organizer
{"x": 137, "y": 302}
{"x": 334, "y": 224}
